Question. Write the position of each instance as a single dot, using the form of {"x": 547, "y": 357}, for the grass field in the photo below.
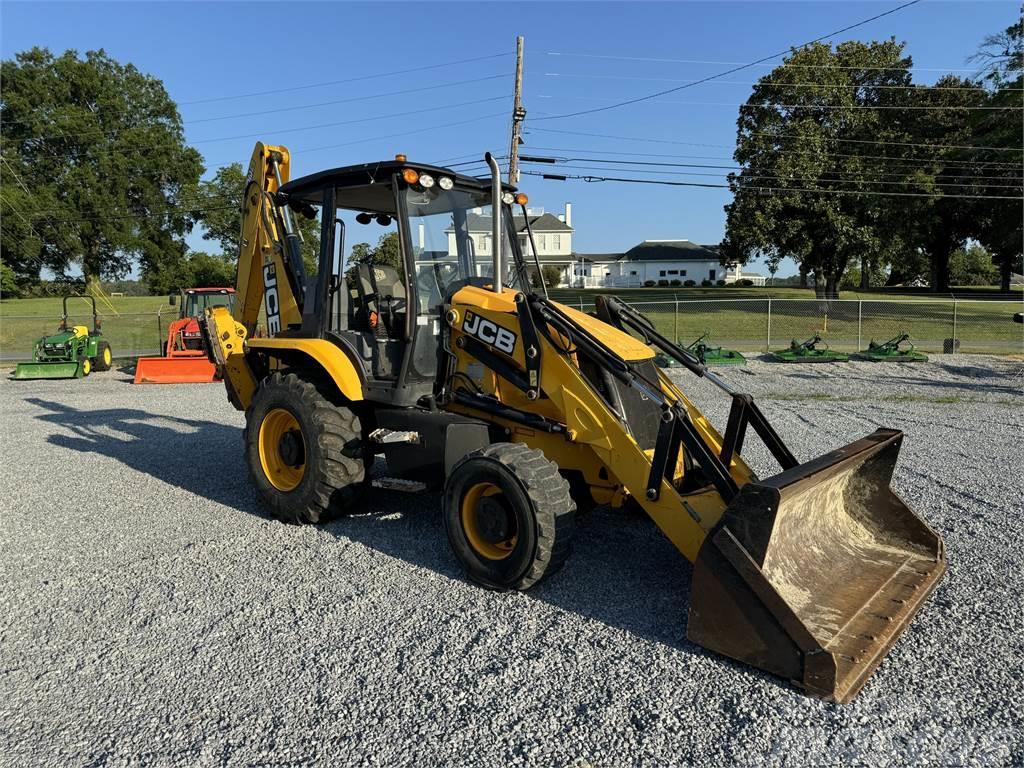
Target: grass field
{"x": 134, "y": 324}
{"x": 735, "y": 317}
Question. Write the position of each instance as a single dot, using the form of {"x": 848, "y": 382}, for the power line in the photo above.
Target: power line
{"x": 309, "y": 86}
{"x": 349, "y": 79}
{"x": 785, "y": 136}
{"x": 404, "y": 113}
{"x": 664, "y": 182}
{"x": 916, "y": 88}
{"x": 198, "y": 204}
{"x": 734, "y": 69}
{"x": 839, "y": 180}
{"x": 735, "y": 167}
{"x": 762, "y": 105}
{"x": 918, "y": 160}
{"x": 759, "y": 63}
{"x": 450, "y": 84}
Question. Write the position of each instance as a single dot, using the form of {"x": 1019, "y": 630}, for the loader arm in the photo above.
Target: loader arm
{"x": 811, "y": 574}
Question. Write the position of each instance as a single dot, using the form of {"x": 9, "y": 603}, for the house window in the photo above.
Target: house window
{"x": 674, "y": 272}
{"x": 682, "y": 273}
{"x": 711, "y": 274}
{"x": 542, "y": 243}
{"x": 661, "y": 273}
{"x": 485, "y": 243}
{"x": 632, "y": 271}
{"x": 556, "y": 243}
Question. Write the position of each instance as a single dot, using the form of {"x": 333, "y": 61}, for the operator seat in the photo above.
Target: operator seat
{"x": 382, "y": 300}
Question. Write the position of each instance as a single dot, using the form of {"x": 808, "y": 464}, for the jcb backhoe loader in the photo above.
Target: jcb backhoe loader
{"x": 451, "y": 366}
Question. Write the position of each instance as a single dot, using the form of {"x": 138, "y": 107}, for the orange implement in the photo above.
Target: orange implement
{"x": 184, "y": 362}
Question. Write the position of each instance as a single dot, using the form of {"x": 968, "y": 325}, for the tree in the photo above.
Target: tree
{"x": 96, "y": 171}
{"x": 972, "y": 265}
{"x": 221, "y": 217}
{"x": 387, "y": 252}
{"x": 808, "y": 183}
{"x": 9, "y": 288}
{"x": 998, "y": 223}
{"x": 941, "y": 224}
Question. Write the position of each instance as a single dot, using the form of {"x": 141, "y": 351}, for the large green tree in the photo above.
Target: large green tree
{"x": 998, "y": 221}
{"x": 810, "y": 173}
{"x": 941, "y": 123}
{"x": 221, "y": 216}
{"x": 95, "y": 171}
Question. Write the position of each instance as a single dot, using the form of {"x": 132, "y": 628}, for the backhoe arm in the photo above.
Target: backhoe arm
{"x": 270, "y": 274}
{"x": 270, "y": 270}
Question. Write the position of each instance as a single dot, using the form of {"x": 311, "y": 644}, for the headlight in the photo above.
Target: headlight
{"x": 445, "y": 183}
{"x": 508, "y": 198}
{"x": 426, "y": 180}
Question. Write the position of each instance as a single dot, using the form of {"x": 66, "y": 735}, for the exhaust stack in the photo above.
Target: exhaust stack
{"x": 495, "y": 218}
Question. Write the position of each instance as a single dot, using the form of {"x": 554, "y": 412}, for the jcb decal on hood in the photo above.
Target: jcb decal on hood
{"x": 498, "y": 337}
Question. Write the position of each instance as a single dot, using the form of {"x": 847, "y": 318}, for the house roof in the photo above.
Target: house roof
{"x": 658, "y": 250}
{"x": 669, "y": 250}
{"x": 546, "y": 222}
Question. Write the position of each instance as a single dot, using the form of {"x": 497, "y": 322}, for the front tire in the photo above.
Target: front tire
{"x": 304, "y": 452}
{"x": 509, "y": 516}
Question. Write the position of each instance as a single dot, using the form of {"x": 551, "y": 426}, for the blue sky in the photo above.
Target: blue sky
{"x": 578, "y": 56}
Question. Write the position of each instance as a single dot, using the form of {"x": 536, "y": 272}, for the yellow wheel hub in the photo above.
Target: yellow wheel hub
{"x": 86, "y": 367}
{"x": 282, "y": 450}
{"x": 489, "y": 524}
{"x": 106, "y": 356}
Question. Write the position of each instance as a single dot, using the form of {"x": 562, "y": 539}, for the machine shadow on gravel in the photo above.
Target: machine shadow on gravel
{"x": 622, "y": 571}
{"x": 171, "y": 448}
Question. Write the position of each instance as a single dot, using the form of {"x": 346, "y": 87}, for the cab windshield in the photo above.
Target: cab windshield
{"x": 197, "y": 303}
{"x": 451, "y": 239}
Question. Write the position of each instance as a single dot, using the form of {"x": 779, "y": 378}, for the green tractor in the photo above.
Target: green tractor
{"x": 71, "y": 353}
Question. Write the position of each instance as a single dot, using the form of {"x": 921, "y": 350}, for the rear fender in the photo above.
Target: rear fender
{"x": 332, "y": 361}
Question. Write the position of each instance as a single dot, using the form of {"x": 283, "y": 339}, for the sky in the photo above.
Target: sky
{"x": 331, "y": 107}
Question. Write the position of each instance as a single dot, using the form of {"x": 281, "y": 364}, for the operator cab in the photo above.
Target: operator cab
{"x": 397, "y": 239}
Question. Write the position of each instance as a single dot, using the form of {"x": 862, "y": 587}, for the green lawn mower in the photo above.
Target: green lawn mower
{"x": 71, "y": 353}
{"x": 715, "y": 355}
{"x": 892, "y": 352}
{"x": 809, "y": 352}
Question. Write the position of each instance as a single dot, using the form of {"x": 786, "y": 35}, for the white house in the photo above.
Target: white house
{"x": 552, "y": 235}
{"x": 658, "y": 261}
{"x": 735, "y": 273}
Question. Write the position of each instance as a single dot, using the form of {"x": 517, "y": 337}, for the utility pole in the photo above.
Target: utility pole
{"x": 518, "y": 115}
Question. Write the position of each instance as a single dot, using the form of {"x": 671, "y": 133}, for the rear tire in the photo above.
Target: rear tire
{"x": 509, "y": 516}
{"x": 304, "y": 452}
{"x": 104, "y": 357}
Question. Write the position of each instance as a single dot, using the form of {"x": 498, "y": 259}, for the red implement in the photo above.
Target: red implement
{"x": 182, "y": 363}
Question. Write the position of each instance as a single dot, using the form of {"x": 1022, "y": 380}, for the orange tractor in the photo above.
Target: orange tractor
{"x": 183, "y": 359}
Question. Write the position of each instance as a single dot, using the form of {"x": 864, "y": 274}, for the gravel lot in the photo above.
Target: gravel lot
{"x": 153, "y": 615}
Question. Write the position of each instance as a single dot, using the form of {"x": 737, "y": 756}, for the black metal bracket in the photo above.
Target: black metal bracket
{"x": 531, "y": 345}
{"x": 743, "y": 412}
{"x": 494, "y": 362}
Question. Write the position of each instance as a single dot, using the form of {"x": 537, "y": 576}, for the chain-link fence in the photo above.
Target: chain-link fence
{"x": 934, "y": 325}
{"x": 849, "y": 325}
{"x": 129, "y": 335}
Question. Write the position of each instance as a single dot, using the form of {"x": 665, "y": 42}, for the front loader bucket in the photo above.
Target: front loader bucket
{"x": 70, "y": 370}
{"x": 813, "y": 574}
{"x": 174, "y": 370}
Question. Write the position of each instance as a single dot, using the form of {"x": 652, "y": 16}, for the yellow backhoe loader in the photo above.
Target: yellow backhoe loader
{"x": 440, "y": 356}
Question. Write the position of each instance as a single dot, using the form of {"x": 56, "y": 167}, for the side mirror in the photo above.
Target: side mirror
{"x": 172, "y": 299}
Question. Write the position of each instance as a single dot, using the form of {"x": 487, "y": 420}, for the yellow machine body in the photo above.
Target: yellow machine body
{"x": 810, "y": 574}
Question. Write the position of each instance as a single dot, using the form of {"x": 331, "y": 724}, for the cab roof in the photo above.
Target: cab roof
{"x": 308, "y": 188}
